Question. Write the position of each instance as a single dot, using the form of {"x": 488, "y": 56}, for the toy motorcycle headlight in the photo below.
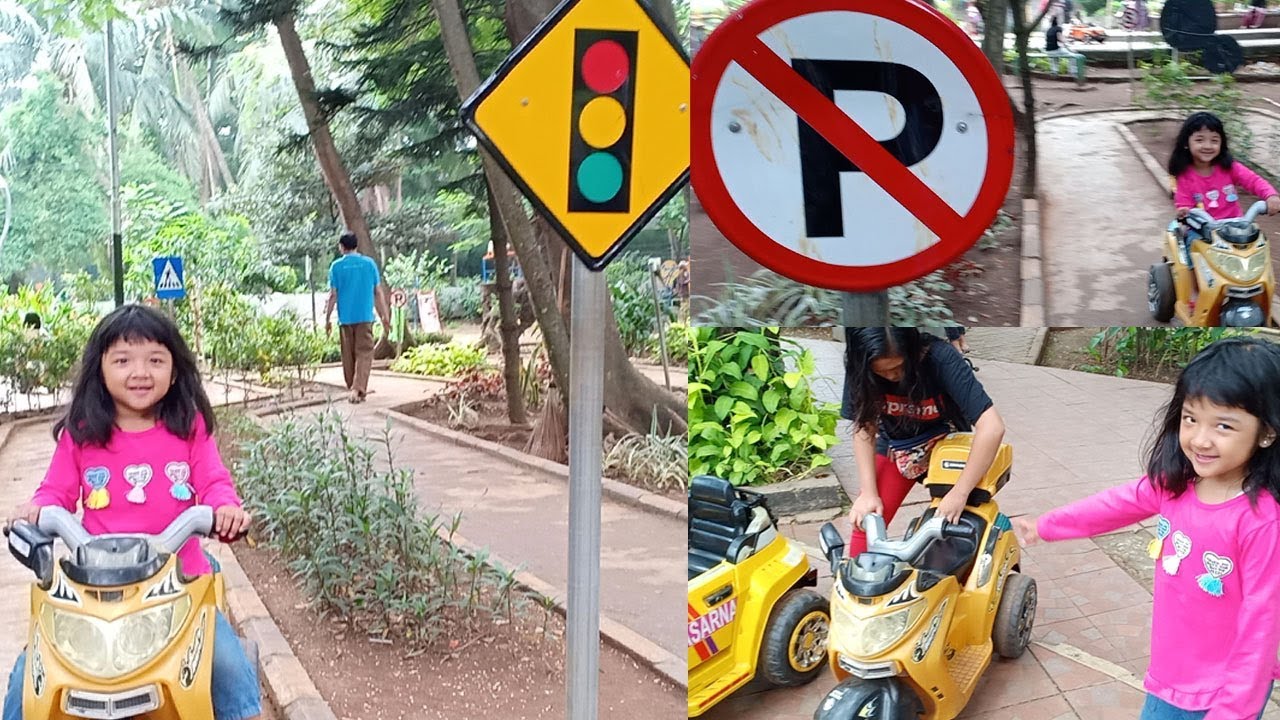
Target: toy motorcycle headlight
{"x": 874, "y": 635}
{"x": 1240, "y": 269}
{"x": 109, "y": 650}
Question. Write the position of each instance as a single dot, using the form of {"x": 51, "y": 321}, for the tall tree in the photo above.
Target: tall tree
{"x": 1026, "y": 115}
{"x": 282, "y": 14}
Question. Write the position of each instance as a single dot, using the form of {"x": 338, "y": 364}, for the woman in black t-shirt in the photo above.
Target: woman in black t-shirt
{"x": 904, "y": 391}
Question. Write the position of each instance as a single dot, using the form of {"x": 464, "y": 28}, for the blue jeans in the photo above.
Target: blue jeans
{"x": 235, "y": 682}
{"x": 1156, "y": 709}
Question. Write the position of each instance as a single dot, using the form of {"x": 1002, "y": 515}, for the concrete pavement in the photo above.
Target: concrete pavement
{"x": 521, "y": 514}
{"x": 1072, "y": 434}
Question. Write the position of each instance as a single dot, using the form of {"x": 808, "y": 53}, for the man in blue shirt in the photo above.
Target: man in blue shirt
{"x": 354, "y": 286}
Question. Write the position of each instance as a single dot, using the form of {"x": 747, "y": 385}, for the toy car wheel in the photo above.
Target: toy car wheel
{"x": 795, "y": 639}
{"x": 1160, "y": 292}
{"x": 1016, "y": 615}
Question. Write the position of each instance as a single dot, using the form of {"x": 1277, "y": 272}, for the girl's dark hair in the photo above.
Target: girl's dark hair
{"x": 1180, "y": 158}
{"x": 864, "y": 345}
{"x": 92, "y": 415}
{"x": 1237, "y": 372}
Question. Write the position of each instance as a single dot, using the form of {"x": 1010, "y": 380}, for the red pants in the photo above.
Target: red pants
{"x": 893, "y": 489}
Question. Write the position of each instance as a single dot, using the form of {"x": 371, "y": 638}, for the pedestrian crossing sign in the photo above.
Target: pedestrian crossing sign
{"x": 169, "y": 280}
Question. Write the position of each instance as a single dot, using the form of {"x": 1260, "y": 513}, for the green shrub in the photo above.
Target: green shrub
{"x": 652, "y": 461}
{"x": 459, "y": 302}
{"x": 344, "y": 516}
{"x": 753, "y": 419}
{"x": 441, "y": 360}
{"x": 632, "y": 298}
{"x": 1150, "y": 350}
{"x": 45, "y": 359}
{"x": 677, "y": 344}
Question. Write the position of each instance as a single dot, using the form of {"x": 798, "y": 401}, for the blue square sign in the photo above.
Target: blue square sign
{"x": 169, "y": 280}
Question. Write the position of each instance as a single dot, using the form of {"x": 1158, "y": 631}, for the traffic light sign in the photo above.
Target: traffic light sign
{"x": 603, "y": 115}
{"x": 597, "y": 143}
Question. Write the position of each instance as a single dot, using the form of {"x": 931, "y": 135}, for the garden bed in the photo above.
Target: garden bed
{"x": 517, "y": 670}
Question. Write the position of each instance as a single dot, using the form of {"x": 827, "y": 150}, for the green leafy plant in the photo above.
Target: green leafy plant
{"x": 344, "y": 516}
{"x": 677, "y": 344}
{"x": 441, "y": 360}
{"x": 40, "y": 360}
{"x": 752, "y": 415}
{"x": 1150, "y": 350}
{"x": 650, "y": 460}
{"x": 766, "y": 299}
{"x": 632, "y": 298}
{"x": 459, "y": 302}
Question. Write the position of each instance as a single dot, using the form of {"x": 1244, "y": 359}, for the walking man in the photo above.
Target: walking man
{"x": 354, "y": 286}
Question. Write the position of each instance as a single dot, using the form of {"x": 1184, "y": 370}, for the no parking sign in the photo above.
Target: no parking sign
{"x": 849, "y": 144}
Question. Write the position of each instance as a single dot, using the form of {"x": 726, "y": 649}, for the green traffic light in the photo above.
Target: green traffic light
{"x": 600, "y": 177}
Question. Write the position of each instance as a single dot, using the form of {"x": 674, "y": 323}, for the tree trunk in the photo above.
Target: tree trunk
{"x": 994, "y": 15}
{"x": 331, "y": 167}
{"x": 1027, "y": 116}
{"x": 632, "y": 398}
{"x": 510, "y": 325}
{"x": 457, "y": 45}
{"x": 190, "y": 88}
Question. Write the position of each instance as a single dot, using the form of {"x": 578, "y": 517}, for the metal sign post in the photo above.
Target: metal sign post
{"x": 586, "y": 417}
{"x": 117, "y": 240}
{"x": 655, "y": 265}
{"x": 865, "y": 309}
{"x": 589, "y": 117}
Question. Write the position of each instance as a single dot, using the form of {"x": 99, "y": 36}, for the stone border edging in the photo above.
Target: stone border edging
{"x": 616, "y": 490}
{"x": 1032, "y": 313}
{"x": 1148, "y": 162}
{"x": 1037, "y": 345}
{"x": 641, "y": 649}
{"x": 7, "y": 429}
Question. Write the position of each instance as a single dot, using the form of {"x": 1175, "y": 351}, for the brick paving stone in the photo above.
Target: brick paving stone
{"x": 1050, "y": 708}
{"x": 1108, "y": 701}
{"x": 1067, "y": 674}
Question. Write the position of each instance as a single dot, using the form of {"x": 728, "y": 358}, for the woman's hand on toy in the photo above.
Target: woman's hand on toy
{"x": 1273, "y": 205}
{"x": 1024, "y": 528}
{"x": 28, "y": 511}
{"x": 230, "y": 521}
{"x": 864, "y": 506}
{"x": 952, "y": 505}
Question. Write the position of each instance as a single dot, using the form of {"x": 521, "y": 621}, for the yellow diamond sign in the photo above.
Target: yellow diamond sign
{"x": 590, "y": 118}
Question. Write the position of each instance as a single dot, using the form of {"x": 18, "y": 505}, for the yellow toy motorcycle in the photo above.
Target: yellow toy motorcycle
{"x": 752, "y": 619}
{"x": 1227, "y": 261}
{"x": 116, "y": 630}
{"x": 914, "y": 622}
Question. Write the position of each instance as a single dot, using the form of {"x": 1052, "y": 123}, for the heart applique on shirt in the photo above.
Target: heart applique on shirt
{"x": 1181, "y": 549}
{"x": 1216, "y": 567}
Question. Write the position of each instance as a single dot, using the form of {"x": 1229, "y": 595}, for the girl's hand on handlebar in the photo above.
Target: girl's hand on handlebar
{"x": 1273, "y": 205}
{"x": 864, "y": 506}
{"x": 1182, "y": 212}
{"x": 229, "y": 522}
{"x": 1024, "y": 528}
{"x": 28, "y": 511}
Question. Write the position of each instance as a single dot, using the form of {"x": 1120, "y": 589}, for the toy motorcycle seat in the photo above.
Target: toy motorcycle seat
{"x": 954, "y": 555}
{"x": 1238, "y": 233}
{"x": 722, "y": 525}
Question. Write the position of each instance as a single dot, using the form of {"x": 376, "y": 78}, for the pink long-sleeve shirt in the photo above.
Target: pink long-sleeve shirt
{"x": 140, "y": 482}
{"x": 1218, "y": 192}
{"x": 1215, "y": 623}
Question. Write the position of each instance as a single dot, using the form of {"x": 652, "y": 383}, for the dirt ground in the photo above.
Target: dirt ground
{"x": 517, "y": 671}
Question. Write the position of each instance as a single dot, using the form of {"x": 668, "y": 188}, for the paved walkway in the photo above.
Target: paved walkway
{"x": 522, "y": 516}
{"x": 1073, "y": 434}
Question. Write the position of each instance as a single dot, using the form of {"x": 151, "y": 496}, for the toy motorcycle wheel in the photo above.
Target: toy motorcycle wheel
{"x": 1015, "y": 617}
{"x": 795, "y": 639}
{"x": 1160, "y": 292}
{"x": 858, "y": 699}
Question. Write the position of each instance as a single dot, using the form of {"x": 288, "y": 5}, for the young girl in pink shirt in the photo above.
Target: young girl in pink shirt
{"x": 1213, "y": 483}
{"x": 1208, "y": 176}
{"x": 136, "y": 449}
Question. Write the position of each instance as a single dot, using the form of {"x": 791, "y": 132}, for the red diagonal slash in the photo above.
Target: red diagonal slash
{"x": 845, "y": 135}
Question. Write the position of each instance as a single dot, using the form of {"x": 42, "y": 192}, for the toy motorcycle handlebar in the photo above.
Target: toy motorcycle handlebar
{"x": 911, "y": 548}
{"x": 193, "y": 521}
{"x": 1208, "y": 222}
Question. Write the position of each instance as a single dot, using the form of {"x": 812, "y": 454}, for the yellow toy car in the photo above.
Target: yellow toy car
{"x": 1228, "y": 262}
{"x": 751, "y": 616}
{"x": 916, "y": 621}
{"x": 116, "y": 630}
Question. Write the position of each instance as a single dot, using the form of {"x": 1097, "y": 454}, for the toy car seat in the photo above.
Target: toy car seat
{"x": 725, "y": 524}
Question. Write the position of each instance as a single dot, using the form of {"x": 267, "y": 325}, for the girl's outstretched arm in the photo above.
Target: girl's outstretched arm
{"x": 1253, "y": 654}
{"x": 1108, "y": 510}
{"x": 1249, "y": 180}
{"x": 61, "y": 484}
